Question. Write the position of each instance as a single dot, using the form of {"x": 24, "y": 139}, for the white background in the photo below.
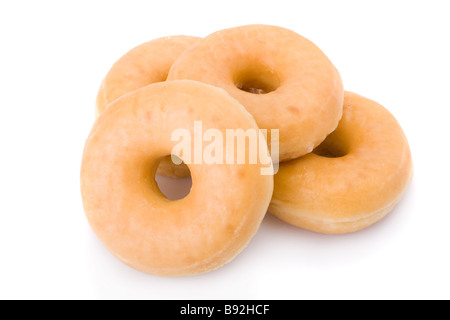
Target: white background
{"x": 53, "y": 56}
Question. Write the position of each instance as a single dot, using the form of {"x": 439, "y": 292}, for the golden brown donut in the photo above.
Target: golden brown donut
{"x": 146, "y": 64}
{"x": 353, "y": 179}
{"x": 128, "y": 212}
{"x": 284, "y": 80}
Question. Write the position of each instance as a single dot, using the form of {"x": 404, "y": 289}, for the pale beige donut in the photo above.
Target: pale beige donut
{"x": 301, "y": 90}
{"x": 127, "y": 211}
{"x": 353, "y": 179}
{"x": 148, "y": 63}
{"x": 145, "y": 64}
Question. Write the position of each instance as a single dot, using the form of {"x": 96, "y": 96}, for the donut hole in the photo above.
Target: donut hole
{"x": 256, "y": 79}
{"x": 174, "y": 188}
{"x": 332, "y": 147}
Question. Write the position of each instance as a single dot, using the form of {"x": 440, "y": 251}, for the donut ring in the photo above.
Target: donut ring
{"x": 353, "y": 179}
{"x": 146, "y": 64}
{"x": 301, "y": 92}
{"x": 130, "y": 215}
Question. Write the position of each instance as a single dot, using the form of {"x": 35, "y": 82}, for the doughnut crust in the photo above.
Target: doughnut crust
{"x": 353, "y": 179}
{"x": 128, "y": 212}
{"x": 300, "y": 91}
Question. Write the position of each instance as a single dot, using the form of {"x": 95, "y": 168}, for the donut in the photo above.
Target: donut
{"x": 146, "y": 64}
{"x": 284, "y": 80}
{"x": 353, "y": 179}
{"x": 124, "y": 205}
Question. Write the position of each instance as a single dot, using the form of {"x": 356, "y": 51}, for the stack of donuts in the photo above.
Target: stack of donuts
{"x": 344, "y": 161}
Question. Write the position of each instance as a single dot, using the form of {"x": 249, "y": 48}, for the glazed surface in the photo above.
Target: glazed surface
{"x": 353, "y": 179}
{"x": 148, "y": 63}
{"x": 128, "y": 212}
{"x": 284, "y": 80}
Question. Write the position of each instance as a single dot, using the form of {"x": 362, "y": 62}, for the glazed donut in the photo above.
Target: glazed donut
{"x": 284, "y": 80}
{"x": 128, "y": 212}
{"x": 146, "y": 64}
{"x": 353, "y": 179}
